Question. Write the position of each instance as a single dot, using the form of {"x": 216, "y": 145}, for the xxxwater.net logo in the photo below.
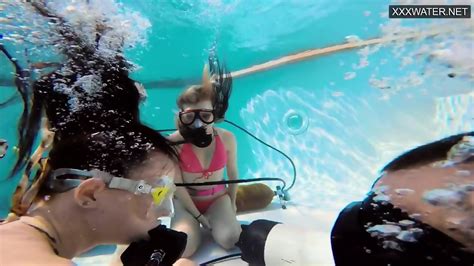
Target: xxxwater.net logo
{"x": 429, "y": 11}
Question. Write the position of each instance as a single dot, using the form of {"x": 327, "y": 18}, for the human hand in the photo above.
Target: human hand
{"x": 204, "y": 221}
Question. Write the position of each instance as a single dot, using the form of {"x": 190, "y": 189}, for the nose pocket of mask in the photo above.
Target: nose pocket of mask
{"x": 197, "y": 123}
{"x": 163, "y": 200}
{"x": 159, "y": 194}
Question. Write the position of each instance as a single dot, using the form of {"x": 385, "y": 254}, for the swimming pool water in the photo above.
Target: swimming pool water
{"x": 340, "y": 117}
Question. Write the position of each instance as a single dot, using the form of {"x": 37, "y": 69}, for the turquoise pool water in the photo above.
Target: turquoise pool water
{"x": 340, "y": 116}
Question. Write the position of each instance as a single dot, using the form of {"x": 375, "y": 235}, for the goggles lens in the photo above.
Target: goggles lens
{"x": 189, "y": 116}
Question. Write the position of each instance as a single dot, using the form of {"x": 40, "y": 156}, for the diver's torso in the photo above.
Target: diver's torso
{"x": 205, "y": 156}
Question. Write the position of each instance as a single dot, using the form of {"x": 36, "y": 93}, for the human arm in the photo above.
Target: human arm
{"x": 232, "y": 169}
{"x": 183, "y": 196}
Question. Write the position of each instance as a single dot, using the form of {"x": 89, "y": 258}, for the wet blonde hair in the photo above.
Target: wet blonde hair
{"x": 197, "y": 93}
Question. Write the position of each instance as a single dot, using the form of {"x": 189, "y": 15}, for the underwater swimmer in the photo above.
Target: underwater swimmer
{"x": 206, "y": 151}
{"x": 76, "y": 207}
{"x": 97, "y": 162}
{"x": 419, "y": 212}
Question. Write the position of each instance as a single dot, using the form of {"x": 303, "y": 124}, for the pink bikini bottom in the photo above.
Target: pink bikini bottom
{"x": 203, "y": 205}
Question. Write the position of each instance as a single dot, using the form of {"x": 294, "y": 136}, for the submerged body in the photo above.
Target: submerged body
{"x": 207, "y": 151}
{"x": 420, "y": 211}
{"x": 215, "y": 202}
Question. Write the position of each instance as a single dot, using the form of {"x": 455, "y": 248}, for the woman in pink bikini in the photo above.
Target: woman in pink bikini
{"x": 206, "y": 151}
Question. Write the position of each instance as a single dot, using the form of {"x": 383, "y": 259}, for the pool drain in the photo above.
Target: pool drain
{"x": 296, "y": 122}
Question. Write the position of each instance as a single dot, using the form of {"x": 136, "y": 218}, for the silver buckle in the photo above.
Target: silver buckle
{"x": 142, "y": 187}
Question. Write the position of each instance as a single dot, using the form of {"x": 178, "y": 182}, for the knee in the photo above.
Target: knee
{"x": 191, "y": 245}
{"x": 227, "y": 238}
{"x": 193, "y": 240}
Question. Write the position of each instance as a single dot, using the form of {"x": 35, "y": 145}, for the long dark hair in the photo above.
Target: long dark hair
{"x": 88, "y": 94}
{"x": 114, "y": 151}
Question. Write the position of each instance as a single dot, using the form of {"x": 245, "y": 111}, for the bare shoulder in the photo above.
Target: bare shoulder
{"x": 228, "y": 138}
{"x": 21, "y": 237}
{"x": 226, "y": 135}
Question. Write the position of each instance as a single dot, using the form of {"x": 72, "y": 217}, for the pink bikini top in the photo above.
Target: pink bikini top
{"x": 191, "y": 164}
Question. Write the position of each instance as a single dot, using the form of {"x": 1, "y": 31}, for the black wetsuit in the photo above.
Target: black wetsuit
{"x": 352, "y": 244}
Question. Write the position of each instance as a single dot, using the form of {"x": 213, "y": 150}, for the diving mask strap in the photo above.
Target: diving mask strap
{"x": 136, "y": 187}
{"x": 62, "y": 185}
{"x": 133, "y": 186}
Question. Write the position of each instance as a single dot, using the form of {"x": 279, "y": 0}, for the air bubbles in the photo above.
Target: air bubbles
{"x": 349, "y": 75}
